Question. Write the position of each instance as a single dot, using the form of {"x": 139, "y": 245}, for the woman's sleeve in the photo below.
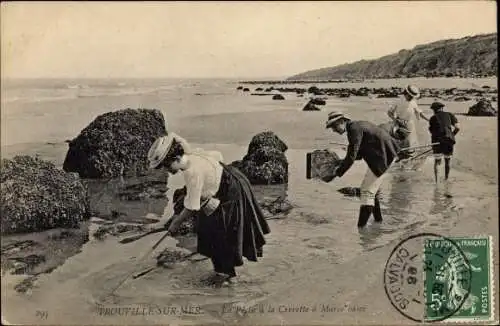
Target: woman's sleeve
{"x": 416, "y": 110}
{"x": 194, "y": 185}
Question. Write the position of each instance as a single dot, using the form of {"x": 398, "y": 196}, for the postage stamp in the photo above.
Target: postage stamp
{"x": 432, "y": 278}
{"x": 404, "y": 275}
{"x": 447, "y": 286}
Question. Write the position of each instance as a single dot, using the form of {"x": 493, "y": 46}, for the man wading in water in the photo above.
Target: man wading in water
{"x": 443, "y": 127}
{"x": 372, "y": 144}
{"x": 230, "y": 223}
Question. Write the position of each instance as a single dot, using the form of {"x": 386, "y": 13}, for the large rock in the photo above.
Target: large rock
{"x": 266, "y": 138}
{"x": 483, "y": 108}
{"x": 462, "y": 99}
{"x": 317, "y": 101}
{"x": 36, "y": 195}
{"x": 310, "y": 107}
{"x": 315, "y": 90}
{"x": 265, "y": 162}
{"x": 389, "y": 94}
{"x": 115, "y": 144}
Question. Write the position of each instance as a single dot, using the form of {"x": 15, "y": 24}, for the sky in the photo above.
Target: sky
{"x": 220, "y": 39}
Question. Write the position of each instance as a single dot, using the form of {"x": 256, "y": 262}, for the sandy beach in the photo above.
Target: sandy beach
{"x": 314, "y": 257}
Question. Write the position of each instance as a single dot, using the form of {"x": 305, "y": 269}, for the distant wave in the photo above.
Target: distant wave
{"x": 78, "y": 86}
{"x": 72, "y": 91}
{"x": 37, "y": 99}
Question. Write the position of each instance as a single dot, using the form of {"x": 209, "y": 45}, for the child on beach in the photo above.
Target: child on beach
{"x": 230, "y": 223}
{"x": 443, "y": 127}
{"x": 404, "y": 114}
{"x": 376, "y": 147}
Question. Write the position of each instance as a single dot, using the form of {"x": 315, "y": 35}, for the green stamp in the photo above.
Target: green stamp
{"x": 459, "y": 284}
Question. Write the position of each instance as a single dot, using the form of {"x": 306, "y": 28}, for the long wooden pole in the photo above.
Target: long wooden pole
{"x": 417, "y": 147}
{"x": 142, "y": 258}
{"x": 401, "y": 150}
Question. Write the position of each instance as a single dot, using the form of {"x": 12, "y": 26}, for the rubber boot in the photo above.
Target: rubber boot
{"x": 365, "y": 211}
{"x": 377, "y": 213}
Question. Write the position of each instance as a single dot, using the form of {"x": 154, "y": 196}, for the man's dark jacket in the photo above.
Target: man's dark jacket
{"x": 371, "y": 143}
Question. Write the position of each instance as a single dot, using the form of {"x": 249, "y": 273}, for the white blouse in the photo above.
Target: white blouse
{"x": 406, "y": 110}
{"x": 202, "y": 177}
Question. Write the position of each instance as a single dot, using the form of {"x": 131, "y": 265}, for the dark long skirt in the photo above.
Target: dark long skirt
{"x": 236, "y": 229}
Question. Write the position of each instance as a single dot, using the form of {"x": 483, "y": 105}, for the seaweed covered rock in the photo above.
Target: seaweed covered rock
{"x": 266, "y": 174}
{"x": 265, "y": 162}
{"x": 315, "y": 90}
{"x": 344, "y": 95}
{"x": 317, "y": 101}
{"x": 170, "y": 256}
{"x": 115, "y": 143}
{"x": 389, "y": 93}
{"x": 483, "y": 108}
{"x": 462, "y": 99}
{"x": 277, "y": 206}
{"x": 36, "y": 195}
{"x": 310, "y": 107}
{"x": 265, "y": 154}
{"x": 116, "y": 229}
{"x": 266, "y": 138}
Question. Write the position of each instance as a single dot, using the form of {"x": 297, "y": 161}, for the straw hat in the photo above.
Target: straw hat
{"x": 412, "y": 90}
{"x": 159, "y": 150}
{"x": 333, "y": 117}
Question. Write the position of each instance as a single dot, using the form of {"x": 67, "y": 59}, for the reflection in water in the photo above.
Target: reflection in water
{"x": 369, "y": 236}
{"x": 400, "y": 196}
{"x": 130, "y": 199}
{"x": 400, "y": 215}
{"x": 263, "y": 192}
{"x": 442, "y": 200}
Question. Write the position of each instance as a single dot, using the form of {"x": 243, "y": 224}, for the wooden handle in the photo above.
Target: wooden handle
{"x": 139, "y": 236}
{"x": 417, "y": 147}
{"x": 143, "y": 272}
{"x": 167, "y": 234}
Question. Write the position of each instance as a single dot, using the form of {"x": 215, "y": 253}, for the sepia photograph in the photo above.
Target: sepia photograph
{"x": 249, "y": 163}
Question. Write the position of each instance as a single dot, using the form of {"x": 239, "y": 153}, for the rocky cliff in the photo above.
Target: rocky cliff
{"x": 472, "y": 56}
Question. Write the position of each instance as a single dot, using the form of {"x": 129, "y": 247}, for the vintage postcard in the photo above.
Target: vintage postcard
{"x": 254, "y": 163}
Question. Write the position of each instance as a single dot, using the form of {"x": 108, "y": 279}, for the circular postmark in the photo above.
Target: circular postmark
{"x": 427, "y": 277}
